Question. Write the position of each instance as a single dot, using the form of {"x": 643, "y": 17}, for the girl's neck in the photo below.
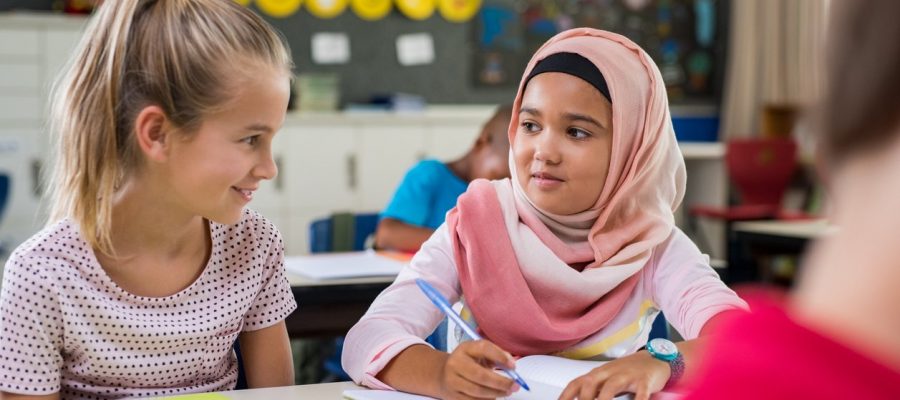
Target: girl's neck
{"x": 147, "y": 223}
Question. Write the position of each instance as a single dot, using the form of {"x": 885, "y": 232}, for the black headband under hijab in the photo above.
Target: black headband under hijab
{"x": 572, "y": 64}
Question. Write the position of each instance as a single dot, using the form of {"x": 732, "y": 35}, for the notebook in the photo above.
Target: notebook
{"x": 355, "y": 264}
{"x": 546, "y": 375}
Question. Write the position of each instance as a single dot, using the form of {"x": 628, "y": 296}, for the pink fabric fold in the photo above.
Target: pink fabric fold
{"x": 515, "y": 260}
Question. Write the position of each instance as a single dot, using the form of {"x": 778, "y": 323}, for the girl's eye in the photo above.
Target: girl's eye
{"x": 578, "y": 133}
{"x": 251, "y": 140}
{"x": 530, "y": 126}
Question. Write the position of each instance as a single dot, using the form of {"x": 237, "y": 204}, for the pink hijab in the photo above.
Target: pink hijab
{"x": 514, "y": 260}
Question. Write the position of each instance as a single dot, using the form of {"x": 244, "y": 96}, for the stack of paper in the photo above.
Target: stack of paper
{"x": 344, "y": 265}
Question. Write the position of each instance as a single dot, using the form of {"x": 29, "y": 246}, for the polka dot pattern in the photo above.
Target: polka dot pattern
{"x": 66, "y": 327}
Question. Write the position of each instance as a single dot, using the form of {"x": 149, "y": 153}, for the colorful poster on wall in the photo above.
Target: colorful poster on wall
{"x": 458, "y": 10}
{"x": 501, "y": 46}
{"x": 326, "y": 9}
{"x": 417, "y": 9}
{"x": 371, "y": 10}
{"x": 279, "y": 8}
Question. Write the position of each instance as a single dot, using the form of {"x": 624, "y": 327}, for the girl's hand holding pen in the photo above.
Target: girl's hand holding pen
{"x": 468, "y": 372}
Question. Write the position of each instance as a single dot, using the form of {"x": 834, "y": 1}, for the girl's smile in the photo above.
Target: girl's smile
{"x": 246, "y": 194}
{"x": 546, "y": 181}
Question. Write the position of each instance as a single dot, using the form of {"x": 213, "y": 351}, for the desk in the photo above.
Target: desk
{"x": 330, "y": 308}
{"x": 757, "y": 239}
{"x": 707, "y": 183}
{"x": 332, "y": 391}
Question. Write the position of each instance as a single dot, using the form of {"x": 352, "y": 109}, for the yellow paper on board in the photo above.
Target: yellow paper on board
{"x": 417, "y": 9}
{"x": 458, "y": 10}
{"x": 326, "y": 8}
{"x": 371, "y": 10}
{"x": 279, "y": 8}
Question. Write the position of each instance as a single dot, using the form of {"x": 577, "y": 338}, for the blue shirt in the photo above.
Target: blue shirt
{"x": 426, "y": 193}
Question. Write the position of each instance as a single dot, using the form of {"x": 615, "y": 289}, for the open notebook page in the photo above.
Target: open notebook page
{"x": 548, "y": 376}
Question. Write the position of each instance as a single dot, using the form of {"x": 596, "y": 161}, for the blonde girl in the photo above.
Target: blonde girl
{"x": 151, "y": 267}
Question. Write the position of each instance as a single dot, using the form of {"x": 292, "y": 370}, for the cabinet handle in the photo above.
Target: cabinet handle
{"x": 37, "y": 168}
{"x": 279, "y": 179}
{"x": 351, "y": 171}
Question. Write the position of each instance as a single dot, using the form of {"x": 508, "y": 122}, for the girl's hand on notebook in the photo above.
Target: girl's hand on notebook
{"x": 469, "y": 372}
{"x": 638, "y": 373}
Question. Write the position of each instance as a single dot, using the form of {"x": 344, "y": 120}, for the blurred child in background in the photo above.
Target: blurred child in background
{"x": 431, "y": 187}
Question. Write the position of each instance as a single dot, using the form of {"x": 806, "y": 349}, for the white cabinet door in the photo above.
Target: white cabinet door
{"x": 22, "y": 216}
{"x": 318, "y": 167}
{"x": 19, "y": 42}
{"x": 386, "y": 153}
{"x": 318, "y": 174}
{"x": 296, "y": 231}
{"x": 448, "y": 142}
{"x": 60, "y": 46}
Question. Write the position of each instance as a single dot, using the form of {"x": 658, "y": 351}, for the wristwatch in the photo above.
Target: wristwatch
{"x": 665, "y": 350}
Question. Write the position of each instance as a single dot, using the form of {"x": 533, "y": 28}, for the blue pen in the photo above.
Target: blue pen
{"x": 444, "y": 306}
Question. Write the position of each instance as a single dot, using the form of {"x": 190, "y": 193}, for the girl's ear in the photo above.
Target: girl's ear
{"x": 484, "y": 138}
{"x": 152, "y": 130}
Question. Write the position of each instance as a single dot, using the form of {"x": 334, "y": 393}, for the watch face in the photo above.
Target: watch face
{"x": 662, "y": 347}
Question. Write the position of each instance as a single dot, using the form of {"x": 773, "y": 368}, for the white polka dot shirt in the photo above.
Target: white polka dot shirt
{"x": 66, "y": 327}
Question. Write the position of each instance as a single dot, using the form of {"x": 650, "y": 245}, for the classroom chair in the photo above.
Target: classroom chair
{"x": 342, "y": 232}
{"x": 4, "y": 196}
{"x": 760, "y": 170}
{"x": 338, "y": 232}
{"x": 660, "y": 328}
{"x": 242, "y": 377}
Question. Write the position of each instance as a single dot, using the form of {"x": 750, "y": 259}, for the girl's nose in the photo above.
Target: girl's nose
{"x": 546, "y": 149}
{"x": 267, "y": 168}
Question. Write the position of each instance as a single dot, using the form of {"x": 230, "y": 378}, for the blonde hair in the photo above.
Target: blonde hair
{"x": 175, "y": 54}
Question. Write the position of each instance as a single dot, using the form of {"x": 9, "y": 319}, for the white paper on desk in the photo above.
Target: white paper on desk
{"x": 415, "y": 49}
{"x": 547, "y": 376}
{"x": 330, "y": 48}
{"x": 343, "y": 265}
{"x": 381, "y": 395}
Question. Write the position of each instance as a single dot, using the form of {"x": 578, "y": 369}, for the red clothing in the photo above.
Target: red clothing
{"x": 768, "y": 355}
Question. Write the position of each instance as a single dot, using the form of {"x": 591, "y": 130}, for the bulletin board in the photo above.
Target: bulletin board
{"x": 481, "y": 60}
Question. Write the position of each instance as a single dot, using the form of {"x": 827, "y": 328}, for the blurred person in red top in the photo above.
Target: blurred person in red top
{"x": 838, "y": 334}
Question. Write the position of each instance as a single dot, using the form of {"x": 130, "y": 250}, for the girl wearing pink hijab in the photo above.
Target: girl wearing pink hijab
{"x": 573, "y": 256}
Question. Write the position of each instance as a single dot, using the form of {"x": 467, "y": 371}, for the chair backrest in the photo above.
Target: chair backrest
{"x": 341, "y": 232}
{"x": 761, "y": 169}
{"x": 4, "y": 193}
{"x": 320, "y": 236}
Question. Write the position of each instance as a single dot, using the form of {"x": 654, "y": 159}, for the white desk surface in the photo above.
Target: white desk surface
{"x": 323, "y": 391}
{"x": 809, "y": 229}
{"x": 702, "y": 150}
{"x": 328, "y": 391}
